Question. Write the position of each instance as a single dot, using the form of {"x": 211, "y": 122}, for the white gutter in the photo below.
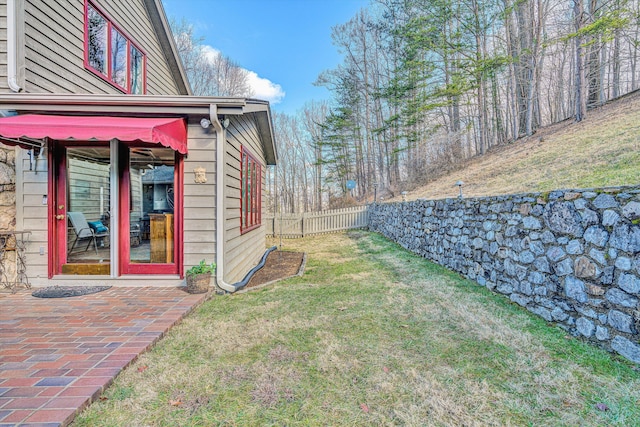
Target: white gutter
{"x": 221, "y": 138}
{"x": 12, "y": 47}
{"x": 220, "y": 150}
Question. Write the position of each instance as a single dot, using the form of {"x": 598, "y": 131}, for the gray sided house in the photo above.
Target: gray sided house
{"x": 118, "y": 173}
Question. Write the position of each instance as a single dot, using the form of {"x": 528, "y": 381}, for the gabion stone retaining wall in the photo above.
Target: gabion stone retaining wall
{"x": 570, "y": 256}
{"x": 7, "y": 189}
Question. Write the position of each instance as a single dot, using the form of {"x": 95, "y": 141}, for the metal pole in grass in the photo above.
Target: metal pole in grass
{"x": 460, "y": 184}
{"x": 277, "y": 204}
{"x": 280, "y": 247}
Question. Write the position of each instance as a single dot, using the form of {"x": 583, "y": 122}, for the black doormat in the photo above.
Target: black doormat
{"x": 67, "y": 291}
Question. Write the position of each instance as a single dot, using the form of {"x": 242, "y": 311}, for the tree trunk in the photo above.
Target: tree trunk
{"x": 579, "y": 102}
{"x": 616, "y": 65}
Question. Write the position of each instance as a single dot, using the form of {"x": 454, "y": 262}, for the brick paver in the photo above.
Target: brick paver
{"x": 57, "y": 355}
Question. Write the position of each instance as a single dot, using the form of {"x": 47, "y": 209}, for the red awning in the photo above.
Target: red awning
{"x": 168, "y": 132}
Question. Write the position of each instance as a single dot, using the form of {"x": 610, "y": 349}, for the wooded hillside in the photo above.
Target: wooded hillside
{"x": 427, "y": 84}
{"x": 602, "y": 151}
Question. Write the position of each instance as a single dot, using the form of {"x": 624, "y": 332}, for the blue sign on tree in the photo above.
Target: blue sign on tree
{"x": 351, "y": 184}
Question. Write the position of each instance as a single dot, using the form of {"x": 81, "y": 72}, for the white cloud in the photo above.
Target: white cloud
{"x": 210, "y": 52}
{"x": 265, "y": 89}
{"x": 262, "y": 88}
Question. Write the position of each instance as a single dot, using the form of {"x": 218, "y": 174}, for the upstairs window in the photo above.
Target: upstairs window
{"x": 111, "y": 54}
{"x": 136, "y": 67}
{"x": 251, "y": 192}
{"x": 97, "y": 30}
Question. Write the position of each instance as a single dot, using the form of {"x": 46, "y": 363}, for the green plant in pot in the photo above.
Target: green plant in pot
{"x": 199, "y": 277}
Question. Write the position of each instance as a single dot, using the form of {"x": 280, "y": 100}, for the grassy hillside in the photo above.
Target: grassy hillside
{"x": 602, "y": 151}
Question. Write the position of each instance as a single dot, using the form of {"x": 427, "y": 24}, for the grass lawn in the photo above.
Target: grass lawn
{"x": 370, "y": 335}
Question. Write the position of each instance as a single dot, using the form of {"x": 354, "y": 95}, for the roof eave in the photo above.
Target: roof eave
{"x": 152, "y": 105}
{"x": 262, "y": 112}
{"x": 127, "y": 103}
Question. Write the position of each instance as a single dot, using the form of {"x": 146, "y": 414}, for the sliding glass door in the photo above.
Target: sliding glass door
{"x": 114, "y": 209}
{"x": 151, "y": 211}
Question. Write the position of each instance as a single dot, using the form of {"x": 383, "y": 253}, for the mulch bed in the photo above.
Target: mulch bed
{"x": 67, "y": 291}
{"x": 279, "y": 265}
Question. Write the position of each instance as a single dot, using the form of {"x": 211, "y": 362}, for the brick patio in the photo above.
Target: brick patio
{"x": 57, "y": 355}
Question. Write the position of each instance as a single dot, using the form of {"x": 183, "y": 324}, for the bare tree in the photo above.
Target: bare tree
{"x": 580, "y": 110}
{"x": 314, "y": 115}
{"x": 425, "y": 84}
{"x": 210, "y": 73}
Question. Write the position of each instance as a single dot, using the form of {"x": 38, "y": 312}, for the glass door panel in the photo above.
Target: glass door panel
{"x": 101, "y": 214}
{"x": 151, "y": 213}
{"x": 87, "y": 194}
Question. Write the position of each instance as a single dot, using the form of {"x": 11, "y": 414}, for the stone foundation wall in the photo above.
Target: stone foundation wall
{"x": 570, "y": 256}
{"x": 8, "y": 207}
{"x": 7, "y": 189}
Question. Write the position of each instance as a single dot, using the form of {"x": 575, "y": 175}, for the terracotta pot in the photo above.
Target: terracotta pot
{"x": 198, "y": 283}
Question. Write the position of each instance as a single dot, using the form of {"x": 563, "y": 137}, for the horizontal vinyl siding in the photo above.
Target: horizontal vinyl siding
{"x": 200, "y": 199}
{"x": 242, "y": 251}
{"x": 34, "y": 215}
{"x": 54, "y": 47}
{"x": 243, "y": 258}
{"x": 3, "y": 46}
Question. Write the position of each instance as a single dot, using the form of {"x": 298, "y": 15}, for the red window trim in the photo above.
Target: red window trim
{"x": 250, "y": 218}
{"x": 110, "y": 24}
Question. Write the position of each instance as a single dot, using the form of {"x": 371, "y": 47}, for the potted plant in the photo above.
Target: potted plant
{"x": 199, "y": 277}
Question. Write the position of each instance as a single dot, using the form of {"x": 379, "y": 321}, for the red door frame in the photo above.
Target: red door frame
{"x": 57, "y": 203}
{"x": 126, "y": 267}
{"x": 57, "y": 191}
{"x": 57, "y": 244}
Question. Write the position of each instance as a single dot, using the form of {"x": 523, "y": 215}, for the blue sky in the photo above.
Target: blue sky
{"x": 286, "y": 43}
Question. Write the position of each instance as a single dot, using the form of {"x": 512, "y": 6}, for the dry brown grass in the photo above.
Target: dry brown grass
{"x": 602, "y": 151}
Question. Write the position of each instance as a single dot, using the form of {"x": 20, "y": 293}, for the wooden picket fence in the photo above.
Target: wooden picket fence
{"x": 306, "y": 224}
